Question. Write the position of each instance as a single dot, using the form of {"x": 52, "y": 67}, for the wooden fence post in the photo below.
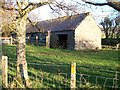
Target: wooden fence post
{"x": 73, "y": 76}
{"x": 117, "y": 46}
{"x": 11, "y": 40}
{"x": 4, "y": 71}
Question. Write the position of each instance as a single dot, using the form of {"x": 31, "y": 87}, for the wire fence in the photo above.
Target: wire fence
{"x": 51, "y": 75}
{"x": 47, "y": 75}
{"x": 97, "y": 77}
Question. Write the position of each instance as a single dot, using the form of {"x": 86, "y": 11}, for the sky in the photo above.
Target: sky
{"x": 44, "y": 12}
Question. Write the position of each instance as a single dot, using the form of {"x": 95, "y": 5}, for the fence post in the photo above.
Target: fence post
{"x": 117, "y": 46}
{"x": 11, "y": 40}
{"x": 4, "y": 71}
{"x": 73, "y": 76}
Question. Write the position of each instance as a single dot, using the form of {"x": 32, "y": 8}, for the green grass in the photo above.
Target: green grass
{"x": 53, "y": 61}
{"x": 37, "y": 54}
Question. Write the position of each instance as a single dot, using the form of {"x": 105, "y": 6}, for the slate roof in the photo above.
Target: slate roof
{"x": 59, "y": 24}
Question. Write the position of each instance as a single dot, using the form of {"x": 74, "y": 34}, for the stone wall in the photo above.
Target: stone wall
{"x": 88, "y": 35}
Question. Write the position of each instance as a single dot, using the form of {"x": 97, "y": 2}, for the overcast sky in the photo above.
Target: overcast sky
{"x": 44, "y": 12}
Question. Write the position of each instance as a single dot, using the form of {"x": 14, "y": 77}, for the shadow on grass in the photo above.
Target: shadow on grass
{"x": 9, "y": 51}
{"x": 49, "y": 80}
{"x": 42, "y": 61}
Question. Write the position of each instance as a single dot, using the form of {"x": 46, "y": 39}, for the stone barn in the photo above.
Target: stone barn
{"x": 71, "y": 32}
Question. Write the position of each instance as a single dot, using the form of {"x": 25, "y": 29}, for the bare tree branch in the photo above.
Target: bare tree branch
{"x": 33, "y": 24}
{"x": 115, "y": 5}
{"x": 27, "y": 9}
{"x": 66, "y": 8}
{"x": 35, "y": 5}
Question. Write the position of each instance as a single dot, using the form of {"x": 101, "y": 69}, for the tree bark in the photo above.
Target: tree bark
{"x": 22, "y": 73}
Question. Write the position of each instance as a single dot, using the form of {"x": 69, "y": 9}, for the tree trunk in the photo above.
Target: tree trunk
{"x": 106, "y": 35}
{"x": 22, "y": 74}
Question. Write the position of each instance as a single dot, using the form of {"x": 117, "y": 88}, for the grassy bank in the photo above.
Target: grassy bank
{"x": 44, "y": 61}
{"x": 37, "y": 54}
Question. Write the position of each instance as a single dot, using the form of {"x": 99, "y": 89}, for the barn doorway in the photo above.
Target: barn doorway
{"x": 62, "y": 40}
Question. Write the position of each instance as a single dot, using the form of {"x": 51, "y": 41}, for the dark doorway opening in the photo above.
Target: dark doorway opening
{"x": 62, "y": 40}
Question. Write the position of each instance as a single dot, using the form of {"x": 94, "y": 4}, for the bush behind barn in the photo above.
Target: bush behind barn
{"x": 110, "y": 41}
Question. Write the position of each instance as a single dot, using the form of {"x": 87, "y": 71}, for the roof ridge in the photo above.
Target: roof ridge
{"x": 65, "y": 17}
{"x": 62, "y": 23}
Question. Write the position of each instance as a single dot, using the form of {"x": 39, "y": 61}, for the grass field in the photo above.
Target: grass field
{"x": 58, "y": 61}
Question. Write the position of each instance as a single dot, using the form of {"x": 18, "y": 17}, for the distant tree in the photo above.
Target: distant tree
{"x": 115, "y": 28}
{"x": 8, "y": 29}
{"x": 117, "y": 22}
{"x": 118, "y": 32}
{"x": 106, "y": 24}
{"x": 110, "y": 27}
